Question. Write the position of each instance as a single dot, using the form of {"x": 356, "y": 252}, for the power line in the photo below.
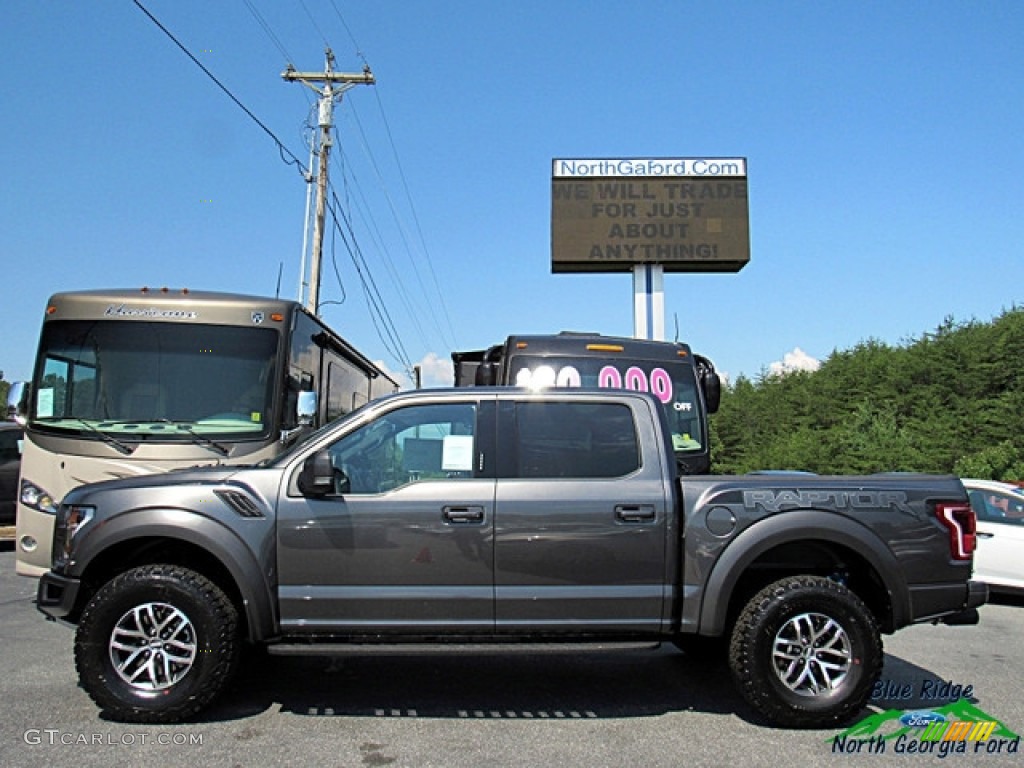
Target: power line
{"x": 402, "y": 231}
{"x": 269, "y": 32}
{"x": 363, "y": 207}
{"x": 282, "y": 149}
{"x": 373, "y": 227}
{"x": 415, "y": 218}
{"x": 366, "y": 278}
{"x": 385, "y": 327}
{"x": 315, "y": 25}
{"x": 348, "y": 31}
{"x": 393, "y": 342}
{"x": 337, "y": 270}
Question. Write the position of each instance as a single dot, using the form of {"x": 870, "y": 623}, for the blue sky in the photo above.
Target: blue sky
{"x": 884, "y": 142}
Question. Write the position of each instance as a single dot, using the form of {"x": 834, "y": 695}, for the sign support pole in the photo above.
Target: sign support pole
{"x": 649, "y": 302}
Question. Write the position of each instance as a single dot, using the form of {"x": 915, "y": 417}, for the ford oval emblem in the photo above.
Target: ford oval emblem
{"x": 921, "y": 718}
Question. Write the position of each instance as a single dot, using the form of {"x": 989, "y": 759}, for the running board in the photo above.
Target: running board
{"x": 466, "y": 649}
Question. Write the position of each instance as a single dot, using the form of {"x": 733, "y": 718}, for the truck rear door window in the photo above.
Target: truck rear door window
{"x": 575, "y": 440}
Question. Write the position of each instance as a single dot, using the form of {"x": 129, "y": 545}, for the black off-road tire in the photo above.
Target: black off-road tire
{"x": 171, "y": 632}
{"x": 806, "y": 652}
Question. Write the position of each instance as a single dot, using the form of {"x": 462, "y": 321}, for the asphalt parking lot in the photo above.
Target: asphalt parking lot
{"x": 655, "y": 708}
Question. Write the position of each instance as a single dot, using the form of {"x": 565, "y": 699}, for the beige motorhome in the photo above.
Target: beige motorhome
{"x": 133, "y": 382}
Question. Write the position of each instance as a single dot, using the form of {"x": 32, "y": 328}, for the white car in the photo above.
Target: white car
{"x": 999, "y": 558}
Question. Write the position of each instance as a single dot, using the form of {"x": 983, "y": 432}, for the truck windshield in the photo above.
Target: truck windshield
{"x": 673, "y": 383}
{"x": 161, "y": 381}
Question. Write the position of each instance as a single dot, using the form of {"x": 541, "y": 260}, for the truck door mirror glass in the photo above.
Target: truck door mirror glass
{"x": 17, "y": 401}
{"x": 306, "y": 408}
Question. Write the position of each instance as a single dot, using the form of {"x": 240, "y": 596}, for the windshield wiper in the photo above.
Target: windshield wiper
{"x": 197, "y": 438}
{"x": 106, "y": 437}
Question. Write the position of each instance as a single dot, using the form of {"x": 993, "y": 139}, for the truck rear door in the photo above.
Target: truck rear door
{"x": 581, "y": 519}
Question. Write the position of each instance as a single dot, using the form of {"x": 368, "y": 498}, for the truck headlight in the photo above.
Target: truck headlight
{"x": 71, "y": 518}
{"x": 74, "y": 516}
{"x": 34, "y": 497}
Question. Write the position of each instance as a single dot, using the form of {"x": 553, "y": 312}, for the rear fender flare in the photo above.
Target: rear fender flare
{"x": 792, "y": 527}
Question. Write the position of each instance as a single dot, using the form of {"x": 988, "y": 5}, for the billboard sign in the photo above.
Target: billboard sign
{"x": 686, "y": 214}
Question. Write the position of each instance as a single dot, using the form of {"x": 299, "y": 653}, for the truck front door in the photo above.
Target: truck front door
{"x": 404, "y": 544}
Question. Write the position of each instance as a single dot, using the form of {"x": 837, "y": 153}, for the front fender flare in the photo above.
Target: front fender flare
{"x": 202, "y": 531}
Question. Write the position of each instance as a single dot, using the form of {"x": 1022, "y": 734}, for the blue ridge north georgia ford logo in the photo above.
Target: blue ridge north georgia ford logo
{"x": 956, "y": 728}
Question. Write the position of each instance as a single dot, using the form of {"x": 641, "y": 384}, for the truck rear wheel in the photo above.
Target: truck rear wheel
{"x": 806, "y": 652}
{"x": 156, "y": 644}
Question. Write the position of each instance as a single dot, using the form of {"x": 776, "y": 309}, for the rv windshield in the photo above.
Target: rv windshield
{"x": 673, "y": 383}
{"x": 162, "y": 381}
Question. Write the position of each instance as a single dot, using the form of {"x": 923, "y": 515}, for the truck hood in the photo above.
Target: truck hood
{"x": 210, "y": 475}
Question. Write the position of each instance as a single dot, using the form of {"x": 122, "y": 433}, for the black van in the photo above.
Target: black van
{"x": 11, "y": 435}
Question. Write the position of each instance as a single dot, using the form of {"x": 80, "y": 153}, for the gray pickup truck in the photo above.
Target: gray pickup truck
{"x": 503, "y": 519}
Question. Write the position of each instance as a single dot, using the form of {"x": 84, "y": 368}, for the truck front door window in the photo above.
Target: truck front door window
{"x": 425, "y": 442}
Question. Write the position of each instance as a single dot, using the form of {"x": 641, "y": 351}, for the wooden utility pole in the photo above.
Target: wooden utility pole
{"x": 334, "y": 85}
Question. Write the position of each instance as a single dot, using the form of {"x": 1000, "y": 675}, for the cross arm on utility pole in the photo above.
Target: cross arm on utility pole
{"x": 329, "y": 76}
{"x": 361, "y": 78}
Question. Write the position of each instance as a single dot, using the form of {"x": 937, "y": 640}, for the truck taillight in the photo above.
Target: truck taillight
{"x": 961, "y": 522}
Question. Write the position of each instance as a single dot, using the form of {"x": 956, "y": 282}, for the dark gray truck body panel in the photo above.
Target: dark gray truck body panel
{"x": 491, "y": 556}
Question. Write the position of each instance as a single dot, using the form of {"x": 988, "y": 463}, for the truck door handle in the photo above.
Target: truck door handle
{"x": 463, "y": 515}
{"x": 634, "y": 513}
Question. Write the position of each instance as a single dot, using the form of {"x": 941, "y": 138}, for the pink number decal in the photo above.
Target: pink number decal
{"x": 661, "y": 384}
{"x": 610, "y": 378}
{"x": 569, "y": 377}
{"x": 636, "y": 379}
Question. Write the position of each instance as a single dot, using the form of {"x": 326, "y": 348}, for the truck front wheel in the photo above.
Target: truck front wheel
{"x": 156, "y": 644}
{"x": 806, "y": 652}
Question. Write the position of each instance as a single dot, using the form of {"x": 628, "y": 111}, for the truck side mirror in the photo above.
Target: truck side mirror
{"x": 316, "y": 477}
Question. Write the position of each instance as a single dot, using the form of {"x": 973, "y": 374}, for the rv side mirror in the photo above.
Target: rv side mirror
{"x": 17, "y": 401}
{"x": 306, "y": 408}
{"x": 317, "y": 475}
{"x": 486, "y": 375}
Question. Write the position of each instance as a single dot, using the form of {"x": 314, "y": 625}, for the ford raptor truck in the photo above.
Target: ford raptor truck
{"x": 502, "y": 519}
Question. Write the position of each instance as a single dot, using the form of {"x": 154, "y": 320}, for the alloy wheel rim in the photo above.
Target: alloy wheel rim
{"x": 811, "y": 654}
{"x": 153, "y": 646}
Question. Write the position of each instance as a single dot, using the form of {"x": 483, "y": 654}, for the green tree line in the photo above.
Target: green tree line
{"x": 950, "y": 401}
